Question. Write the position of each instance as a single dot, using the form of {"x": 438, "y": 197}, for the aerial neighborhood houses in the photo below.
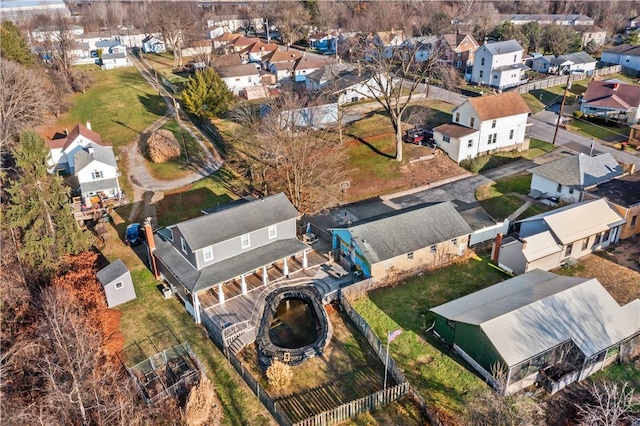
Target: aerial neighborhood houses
{"x": 499, "y": 65}
{"x": 485, "y": 124}
{"x": 564, "y": 64}
{"x": 612, "y": 99}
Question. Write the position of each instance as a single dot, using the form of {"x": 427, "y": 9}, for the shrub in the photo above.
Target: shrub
{"x": 203, "y": 406}
{"x": 279, "y": 376}
{"x": 162, "y": 146}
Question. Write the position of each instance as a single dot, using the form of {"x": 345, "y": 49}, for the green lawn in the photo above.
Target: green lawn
{"x": 501, "y": 158}
{"x": 604, "y": 133}
{"x": 537, "y": 148}
{"x": 150, "y": 314}
{"x": 499, "y": 199}
{"x": 176, "y": 168}
{"x": 441, "y": 377}
{"x": 621, "y": 373}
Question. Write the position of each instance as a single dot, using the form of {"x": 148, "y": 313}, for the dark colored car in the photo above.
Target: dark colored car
{"x": 135, "y": 234}
{"x": 418, "y": 136}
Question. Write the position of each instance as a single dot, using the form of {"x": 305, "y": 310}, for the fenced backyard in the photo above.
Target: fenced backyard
{"x": 562, "y": 79}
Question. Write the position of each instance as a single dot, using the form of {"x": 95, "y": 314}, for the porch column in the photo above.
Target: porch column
{"x": 265, "y": 277}
{"x": 304, "y": 259}
{"x": 285, "y": 267}
{"x": 196, "y": 308}
{"x": 220, "y": 294}
{"x": 243, "y": 284}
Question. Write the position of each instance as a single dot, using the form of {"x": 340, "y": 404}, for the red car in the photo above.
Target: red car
{"x": 418, "y": 136}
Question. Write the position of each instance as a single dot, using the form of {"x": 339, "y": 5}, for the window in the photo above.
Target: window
{"x": 446, "y": 138}
{"x": 511, "y": 134}
{"x": 495, "y": 137}
{"x": 481, "y": 73}
{"x": 472, "y": 122}
{"x": 454, "y": 242}
{"x": 489, "y": 140}
{"x": 495, "y": 76}
{"x": 605, "y": 236}
{"x": 515, "y": 58}
{"x": 451, "y": 323}
{"x": 457, "y": 117}
{"x": 170, "y": 231}
{"x": 470, "y": 143}
{"x": 568, "y": 250}
{"x": 433, "y": 249}
{"x": 185, "y": 248}
{"x": 570, "y": 190}
{"x": 481, "y": 63}
{"x": 559, "y": 188}
{"x": 410, "y": 255}
{"x": 585, "y": 244}
{"x": 97, "y": 174}
{"x": 633, "y": 221}
{"x": 119, "y": 285}
{"x": 493, "y": 124}
{"x": 272, "y": 232}
{"x": 207, "y": 254}
{"x": 596, "y": 240}
{"x": 626, "y": 59}
{"x": 245, "y": 241}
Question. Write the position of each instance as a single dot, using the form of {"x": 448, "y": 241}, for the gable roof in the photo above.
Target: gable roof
{"x": 624, "y": 191}
{"x": 500, "y": 105}
{"x": 612, "y": 94}
{"x": 228, "y": 60}
{"x": 503, "y": 47}
{"x": 243, "y": 41}
{"x": 575, "y": 58}
{"x": 227, "y": 37}
{"x": 112, "y": 272}
{"x": 455, "y": 39}
{"x": 78, "y": 130}
{"x": 627, "y": 49}
{"x": 580, "y": 171}
{"x": 536, "y": 311}
{"x": 101, "y": 154}
{"x": 309, "y": 63}
{"x": 260, "y": 46}
{"x": 223, "y": 225}
{"x": 282, "y": 56}
{"x": 238, "y": 71}
{"x": 408, "y": 231}
{"x": 577, "y": 221}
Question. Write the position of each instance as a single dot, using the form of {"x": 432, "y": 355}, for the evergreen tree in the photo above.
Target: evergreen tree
{"x": 205, "y": 94}
{"x": 14, "y": 47}
{"x": 39, "y": 209}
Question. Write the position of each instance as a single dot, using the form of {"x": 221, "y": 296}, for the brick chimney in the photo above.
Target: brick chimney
{"x": 496, "y": 248}
{"x": 615, "y": 86}
{"x": 151, "y": 244}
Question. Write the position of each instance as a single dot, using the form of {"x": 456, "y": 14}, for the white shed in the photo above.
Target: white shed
{"x": 117, "y": 283}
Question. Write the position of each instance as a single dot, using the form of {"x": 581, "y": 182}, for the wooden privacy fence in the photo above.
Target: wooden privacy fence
{"x": 562, "y": 79}
{"x": 356, "y": 407}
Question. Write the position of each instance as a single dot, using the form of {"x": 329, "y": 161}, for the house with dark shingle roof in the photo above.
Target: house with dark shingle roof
{"x": 426, "y": 237}
{"x": 499, "y": 65}
{"x": 485, "y": 124}
{"x": 540, "y": 328}
{"x": 568, "y": 178}
{"x": 563, "y": 64}
{"x": 205, "y": 258}
{"x": 612, "y": 99}
{"x": 623, "y": 194}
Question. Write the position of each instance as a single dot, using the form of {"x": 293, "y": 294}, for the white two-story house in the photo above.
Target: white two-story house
{"x": 240, "y": 77}
{"x": 495, "y": 122}
{"x": 498, "y": 65}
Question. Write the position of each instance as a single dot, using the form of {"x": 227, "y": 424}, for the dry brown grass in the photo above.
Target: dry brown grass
{"x": 162, "y": 146}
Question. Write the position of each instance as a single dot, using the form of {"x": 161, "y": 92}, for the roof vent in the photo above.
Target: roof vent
{"x": 88, "y": 125}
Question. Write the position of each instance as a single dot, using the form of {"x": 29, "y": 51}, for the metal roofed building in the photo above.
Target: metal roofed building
{"x": 425, "y": 237}
{"x": 540, "y": 328}
{"x": 551, "y": 239}
{"x": 17, "y": 10}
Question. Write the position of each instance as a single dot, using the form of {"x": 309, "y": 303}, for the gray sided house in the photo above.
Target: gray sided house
{"x": 413, "y": 239}
{"x": 200, "y": 256}
{"x": 540, "y": 328}
{"x": 117, "y": 284}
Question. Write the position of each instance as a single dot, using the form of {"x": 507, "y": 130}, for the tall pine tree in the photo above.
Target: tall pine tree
{"x": 14, "y": 47}
{"x": 39, "y": 209}
{"x": 205, "y": 94}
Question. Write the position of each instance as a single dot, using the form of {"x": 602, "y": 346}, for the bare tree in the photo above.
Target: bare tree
{"x": 485, "y": 19}
{"x": 24, "y": 100}
{"x": 291, "y": 19}
{"x": 173, "y": 20}
{"x": 61, "y": 46}
{"x": 613, "y": 404}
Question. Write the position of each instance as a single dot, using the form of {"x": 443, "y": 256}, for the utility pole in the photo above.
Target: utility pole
{"x": 564, "y": 98}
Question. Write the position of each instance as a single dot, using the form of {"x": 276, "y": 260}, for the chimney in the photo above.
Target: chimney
{"x": 66, "y": 131}
{"x": 496, "y": 248}
{"x": 615, "y": 86}
{"x": 151, "y": 244}
{"x": 90, "y": 149}
{"x": 88, "y": 125}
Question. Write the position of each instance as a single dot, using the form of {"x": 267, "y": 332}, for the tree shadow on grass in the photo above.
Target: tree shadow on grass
{"x": 153, "y": 103}
{"x": 371, "y": 147}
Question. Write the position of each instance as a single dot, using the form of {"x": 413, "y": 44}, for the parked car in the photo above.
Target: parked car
{"x": 134, "y": 235}
{"x": 418, "y": 136}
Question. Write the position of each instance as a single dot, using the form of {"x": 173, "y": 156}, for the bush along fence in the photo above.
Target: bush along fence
{"x": 354, "y": 292}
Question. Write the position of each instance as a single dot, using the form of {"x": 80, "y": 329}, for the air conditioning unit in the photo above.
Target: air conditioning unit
{"x": 166, "y": 292}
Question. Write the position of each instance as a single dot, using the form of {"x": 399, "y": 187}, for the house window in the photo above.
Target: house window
{"x": 245, "y": 241}
{"x": 451, "y": 323}
{"x": 272, "y": 232}
{"x": 470, "y": 143}
{"x": 446, "y": 138}
{"x": 511, "y": 134}
{"x": 570, "y": 190}
{"x": 495, "y": 76}
{"x": 433, "y": 249}
{"x": 568, "y": 250}
{"x": 97, "y": 174}
{"x": 495, "y": 137}
{"x": 482, "y": 64}
{"x": 481, "y": 73}
{"x": 207, "y": 254}
{"x": 605, "y": 236}
{"x": 410, "y": 255}
{"x": 596, "y": 240}
{"x": 170, "y": 231}
{"x": 454, "y": 242}
{"x": 489, "y": 140}
{"x": 185, "y": 248}
{"x": 472, "y": 122}
{"x": 493, "y": 124}
{"x": 457, "y": 117}
{"x": 119, "y": 285}
{"x": 585, "y": 244}
{"x": 515, "y": 58}
{"x": 237, "y": 79}
{"x": 626, "y": 59}
{"x": 559, "y": 188}
{"x": 633, "y": 221}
